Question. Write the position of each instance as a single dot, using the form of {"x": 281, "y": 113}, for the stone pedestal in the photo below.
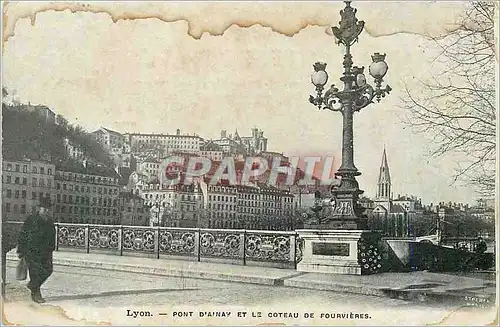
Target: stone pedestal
{"x": 339, "y": 251}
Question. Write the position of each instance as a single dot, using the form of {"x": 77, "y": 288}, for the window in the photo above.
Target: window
{"x": 41, "y": 195}
{"x": 7, "y": 205}
{"x": 64, "y": 186}
{"x": 42, "y": 170}
{"x": 16, "y": 180}
{"x": 58, "y": 198}
{"x": 18, "y": 168}
{"x": 34, "y": 170}
{"x": 49, "y": 183}
{"x": 25, "y": 170}
{"x": 9, "y": 193}
{"x": 33, "y": 195}
{"x": 16, "y": 208}
{"x": 9, "y": 167}
{"x": 9, "y": 180}
{"x": 58, "y": 186}
{"x": 25, "y": 181}
{"x": 64, "y": 198}
{"x": 33, "y": 182}
{"x": 49, "y": 171}
{"x": 23, "y": 208}
{"x": 42, "y": 182}
{"x": 23, "y": 194}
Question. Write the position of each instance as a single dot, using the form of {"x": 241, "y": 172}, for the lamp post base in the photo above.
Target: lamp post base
{"x": 347, "y": 252}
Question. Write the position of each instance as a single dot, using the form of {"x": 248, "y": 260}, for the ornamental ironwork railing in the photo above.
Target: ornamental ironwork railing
{"x": 259, "y": 247}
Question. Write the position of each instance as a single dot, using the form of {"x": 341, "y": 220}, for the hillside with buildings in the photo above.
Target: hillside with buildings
{"x": 109, "y": 177}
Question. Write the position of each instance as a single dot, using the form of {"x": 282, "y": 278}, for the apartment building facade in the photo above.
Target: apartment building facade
{"x": 24, "y": 182}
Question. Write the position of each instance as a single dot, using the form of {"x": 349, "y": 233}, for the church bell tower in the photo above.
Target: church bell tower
{"x": 384, "y": 180}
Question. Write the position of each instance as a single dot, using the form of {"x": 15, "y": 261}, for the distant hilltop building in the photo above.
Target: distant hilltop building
{"x": 245, "y": 145}
{"x": 109, "y": 138}
{"x": 116, "y": 144}
{"x": 212, "y": 151}
{"x": 165, "y": 143}
{"x": 43, "y": 111}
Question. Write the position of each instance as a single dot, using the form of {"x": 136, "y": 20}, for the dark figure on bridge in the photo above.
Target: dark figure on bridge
{"x": 36, "y": 243}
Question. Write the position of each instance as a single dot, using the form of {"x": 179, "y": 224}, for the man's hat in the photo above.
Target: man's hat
{"x": 45, "y": 202}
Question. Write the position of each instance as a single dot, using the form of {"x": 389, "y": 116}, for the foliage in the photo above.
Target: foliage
{"x": 26, "y": 134}
{"x": 457, "y": 107}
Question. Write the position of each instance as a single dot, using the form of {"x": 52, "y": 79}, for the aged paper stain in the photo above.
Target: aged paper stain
{"x": 215, "y": 18}
{"x": 46, "y": 314}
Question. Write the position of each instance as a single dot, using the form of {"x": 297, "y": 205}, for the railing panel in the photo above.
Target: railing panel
{"x": 177, "y": 241}
{"x": 71, "y": 235}
{"x": 221, "y": 243}
{"x": 274, "y": 247}
{"x": 104, "y": 237}
{"x": 138, "y": 239}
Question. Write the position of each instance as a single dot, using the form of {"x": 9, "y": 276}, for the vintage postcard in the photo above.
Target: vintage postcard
{"x": 249, "y": 163}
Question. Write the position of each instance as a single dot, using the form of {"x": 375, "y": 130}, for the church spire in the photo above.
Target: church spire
{"x": 384, "y": 179}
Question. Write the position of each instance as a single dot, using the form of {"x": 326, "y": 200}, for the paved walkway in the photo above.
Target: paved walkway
{"x": 420, "y": 286}
{"x": 79, "y": 295}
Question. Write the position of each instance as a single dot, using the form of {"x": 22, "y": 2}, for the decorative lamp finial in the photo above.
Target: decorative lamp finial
{"x": 319, "y": 66}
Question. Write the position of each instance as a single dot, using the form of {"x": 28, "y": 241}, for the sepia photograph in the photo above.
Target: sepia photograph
{"x": 194, "y": 163}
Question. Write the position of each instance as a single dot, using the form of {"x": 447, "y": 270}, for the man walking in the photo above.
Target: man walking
{"x": 36, "y": 243}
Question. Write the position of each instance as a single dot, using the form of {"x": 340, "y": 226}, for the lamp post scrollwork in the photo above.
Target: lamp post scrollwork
{"x": 355, "y": 95}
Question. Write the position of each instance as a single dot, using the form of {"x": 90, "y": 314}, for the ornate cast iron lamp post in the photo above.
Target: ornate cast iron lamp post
{"x": 356, "y": 95}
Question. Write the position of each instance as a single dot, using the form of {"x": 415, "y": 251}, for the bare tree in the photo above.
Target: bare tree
{"x": 457, "y": 106}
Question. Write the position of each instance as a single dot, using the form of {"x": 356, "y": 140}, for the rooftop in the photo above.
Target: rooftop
{"x": 111, "y": 131}
{"x": 89, "y": 169}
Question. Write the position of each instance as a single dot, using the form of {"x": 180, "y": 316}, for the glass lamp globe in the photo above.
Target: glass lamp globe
{"x": 319, "y": 78}
{"x": 378, "y": 68}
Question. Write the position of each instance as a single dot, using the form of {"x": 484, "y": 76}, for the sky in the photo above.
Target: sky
{"x": 203, "y": 67}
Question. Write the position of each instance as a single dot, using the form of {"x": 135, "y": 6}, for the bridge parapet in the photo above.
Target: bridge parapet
{"x": 245, "y": 247}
